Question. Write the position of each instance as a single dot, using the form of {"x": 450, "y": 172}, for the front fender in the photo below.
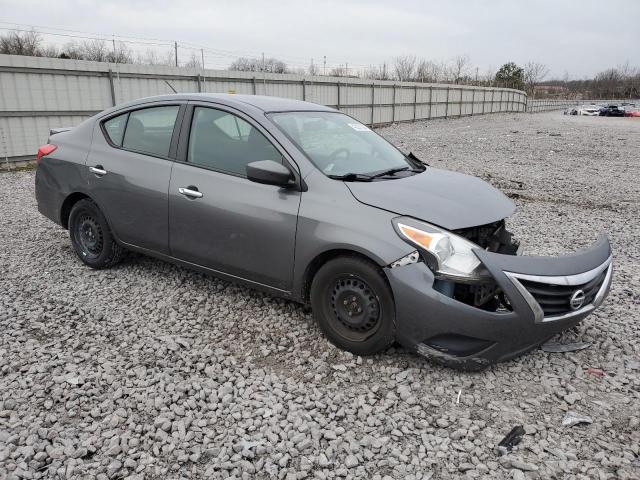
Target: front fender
{"x": 329, "y": 222}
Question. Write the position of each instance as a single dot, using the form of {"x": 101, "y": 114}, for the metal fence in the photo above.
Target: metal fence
{"x": 544, "y": 104}
{"x": 37, "y": 94}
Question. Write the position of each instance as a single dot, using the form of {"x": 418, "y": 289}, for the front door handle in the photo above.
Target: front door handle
{"x": 98, "y": 170}
{"x": 190, "y": 191}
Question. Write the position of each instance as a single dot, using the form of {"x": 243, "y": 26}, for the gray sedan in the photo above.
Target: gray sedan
{"x": 307, "y": 203}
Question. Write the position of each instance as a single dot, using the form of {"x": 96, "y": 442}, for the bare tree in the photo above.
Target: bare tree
{"x": 429, "y": 71}
{"x": 459, "y": 67}
{"x": 120, "y": 53}
{"x": 193, "y": 62}
{"x": 534, "y": 73}
{"x": 50, "y": 51}
{"x": 380, "y": 72}
{"x": 151, "y": 57}
{"x": 630, "y": 79}
{"x": 339, "y": 71}
{"x": 98, "y": 51}
{"x": 422, "y": 71}
{"x": 608, "y": 83}
{"x": 272, "y": 65}
{"x": 404, "y": 67}
{"x": 21, "y": 43}
{"x": 489, "y": 75}
{"x": 95, "y": 50}
{"x": 313, "y": 69}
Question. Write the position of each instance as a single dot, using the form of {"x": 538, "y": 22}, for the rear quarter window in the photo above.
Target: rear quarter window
{"x": 114, "y": 128}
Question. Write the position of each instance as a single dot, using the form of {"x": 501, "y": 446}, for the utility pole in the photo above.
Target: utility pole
{"x": 324, "y": 68}
{"x": 311, "y": 69}
{"x": 115, "y": 57}
{"x": 264, "y": 79}
{"x": 204, "y": 81}
{"x": 176, "y": 49}
{"x": 346, "y": 68}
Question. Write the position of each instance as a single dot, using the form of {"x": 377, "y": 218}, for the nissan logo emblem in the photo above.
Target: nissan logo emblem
{"x": 577, "y": 300}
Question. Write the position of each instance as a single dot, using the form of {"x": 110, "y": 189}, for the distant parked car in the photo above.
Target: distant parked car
{"x": 571, "y": 111}
{"x": 589, "y": 110}
{"x": 611, "y": 110}
{"x": 632, "y": 112}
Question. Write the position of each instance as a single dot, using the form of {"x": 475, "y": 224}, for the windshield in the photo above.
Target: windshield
{"x": 339, "y": 145}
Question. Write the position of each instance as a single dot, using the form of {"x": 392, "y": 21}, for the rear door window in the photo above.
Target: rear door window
{"x": 150, "y": 130}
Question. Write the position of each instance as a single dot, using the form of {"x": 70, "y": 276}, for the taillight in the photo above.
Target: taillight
{"x": 45, "y": 150}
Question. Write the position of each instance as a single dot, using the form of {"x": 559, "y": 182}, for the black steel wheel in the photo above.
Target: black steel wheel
{"x": 353, "y": 305}
{"x": 91, "y": 237}
{"x": 356, "y": 309}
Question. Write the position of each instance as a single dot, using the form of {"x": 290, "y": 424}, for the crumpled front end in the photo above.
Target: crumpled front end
{"x": 533, "y": 299}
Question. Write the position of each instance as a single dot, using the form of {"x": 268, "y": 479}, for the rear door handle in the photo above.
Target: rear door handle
{"x": 190, "y": 191}
{"x": 98, "y": 170}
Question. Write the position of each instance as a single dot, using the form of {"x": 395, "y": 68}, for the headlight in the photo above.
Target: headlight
{"x": 450, "y": 255}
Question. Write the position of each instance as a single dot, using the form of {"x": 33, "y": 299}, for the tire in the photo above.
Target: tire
{"x": 91, "y": 236}
{"x": 353, "y": 305}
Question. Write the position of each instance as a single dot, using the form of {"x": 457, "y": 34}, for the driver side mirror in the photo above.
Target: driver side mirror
{"x": 269, "y": 172}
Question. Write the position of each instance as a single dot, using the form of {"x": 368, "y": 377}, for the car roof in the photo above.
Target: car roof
{"x": 262, "y": 102}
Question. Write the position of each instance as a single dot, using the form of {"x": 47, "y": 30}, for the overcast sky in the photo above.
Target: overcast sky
{"x": 580, "y": 37}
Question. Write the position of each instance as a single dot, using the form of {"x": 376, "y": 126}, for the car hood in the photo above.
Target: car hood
{"x": 447, "y": 199}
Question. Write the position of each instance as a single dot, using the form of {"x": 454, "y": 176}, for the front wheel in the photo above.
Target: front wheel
{"x": 353, "y": 305}
{"x": 91, "y": 237}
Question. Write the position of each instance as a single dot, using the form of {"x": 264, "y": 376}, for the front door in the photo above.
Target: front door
{"x": 217, "y": 217}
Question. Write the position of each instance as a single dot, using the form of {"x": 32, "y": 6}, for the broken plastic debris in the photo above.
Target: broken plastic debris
{"x": 572, "y": 418}
{"x": 248, "y": 445}
{"x": 633, "y": 364}
{"x": 554, "y": 347}
{"x": 596, "y": 372}
{"x": 512, "y": 439}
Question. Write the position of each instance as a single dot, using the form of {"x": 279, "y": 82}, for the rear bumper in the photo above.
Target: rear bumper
{"x": 464, "y": 336}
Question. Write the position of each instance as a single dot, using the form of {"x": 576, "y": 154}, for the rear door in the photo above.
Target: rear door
{"x": 217, "y": 217}
{"x": 129, "y": 171}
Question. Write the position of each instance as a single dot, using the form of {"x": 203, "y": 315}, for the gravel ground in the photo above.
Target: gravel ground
{"x": 149, "y": 370}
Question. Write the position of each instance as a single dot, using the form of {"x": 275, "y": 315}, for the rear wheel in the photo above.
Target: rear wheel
{"x": 353, "y": 305}
{"x": 91, "y": 237}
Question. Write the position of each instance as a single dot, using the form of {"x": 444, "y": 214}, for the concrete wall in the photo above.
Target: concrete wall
{"x": 37, "y": 94}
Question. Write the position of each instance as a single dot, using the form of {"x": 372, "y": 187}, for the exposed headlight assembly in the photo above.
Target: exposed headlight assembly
{"x": 447, "y": 254}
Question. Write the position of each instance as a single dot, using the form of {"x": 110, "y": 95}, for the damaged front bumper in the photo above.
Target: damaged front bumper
{"x": 546, "y": 295}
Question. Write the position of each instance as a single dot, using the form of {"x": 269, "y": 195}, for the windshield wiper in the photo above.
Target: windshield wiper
{"x": 352, "y": 177}
{"x": 391, "y": 171}
{"x": 361, "y": 177}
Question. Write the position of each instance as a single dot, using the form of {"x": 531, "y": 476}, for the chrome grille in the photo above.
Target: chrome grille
{"x": 551, "y": 297}
{"x": 555, "y": 299}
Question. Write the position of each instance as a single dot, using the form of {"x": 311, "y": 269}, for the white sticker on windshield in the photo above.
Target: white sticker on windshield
{"x": 358, "y": 127}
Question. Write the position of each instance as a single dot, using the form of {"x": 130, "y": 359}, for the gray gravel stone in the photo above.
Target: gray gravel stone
{"x": 149, "y": 370}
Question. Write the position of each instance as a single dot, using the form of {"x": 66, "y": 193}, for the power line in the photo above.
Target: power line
{"x": 84, "y": 32}
{"x": 170, "y": 45}
{"x": 84, "y": 37}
